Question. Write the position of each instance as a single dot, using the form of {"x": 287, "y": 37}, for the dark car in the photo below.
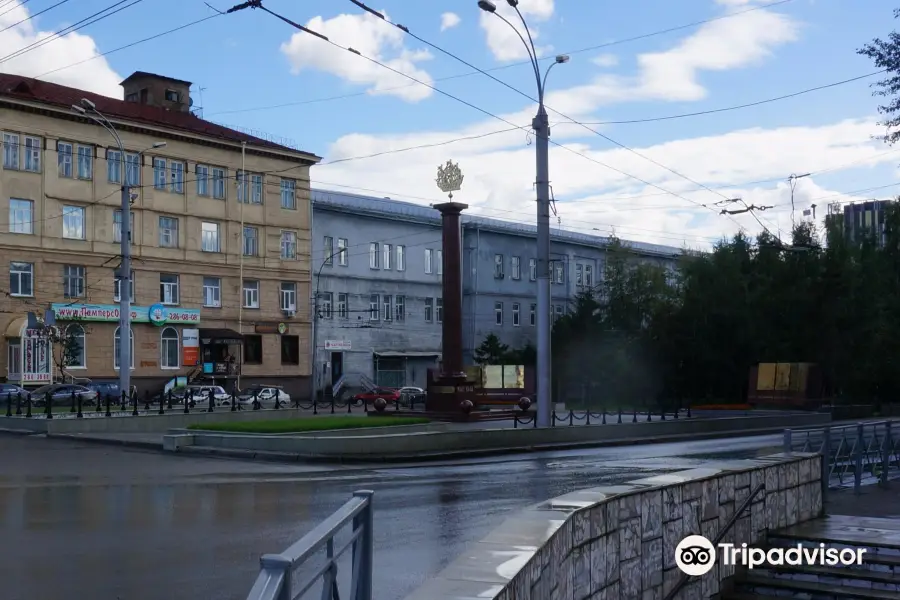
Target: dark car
{"x": 105, "y": 388}
{"x": 61, "y": 394}
{"x": 11, "y": 390}
{"x": 389, "y": 394}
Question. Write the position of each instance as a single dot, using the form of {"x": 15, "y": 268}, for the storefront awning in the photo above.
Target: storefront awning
{"x": 15, "y": 327}
{"x": 410, "y": 354}
{"x": 220, "y": 336}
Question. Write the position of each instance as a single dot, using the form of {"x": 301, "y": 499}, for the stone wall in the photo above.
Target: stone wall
{"x": 624, "y": 546}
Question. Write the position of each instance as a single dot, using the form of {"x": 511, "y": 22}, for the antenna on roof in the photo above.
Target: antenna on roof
{"x": 198, "y": 112}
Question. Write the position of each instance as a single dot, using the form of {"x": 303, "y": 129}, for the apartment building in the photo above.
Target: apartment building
{"x": 221, "y": 239}
{"x": 377, "y": 267}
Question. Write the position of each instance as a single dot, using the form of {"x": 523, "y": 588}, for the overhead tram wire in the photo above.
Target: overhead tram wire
{"x": 258, "y": 4}
{"x": 97, "y": 17}
{"x": 521, "y": 63}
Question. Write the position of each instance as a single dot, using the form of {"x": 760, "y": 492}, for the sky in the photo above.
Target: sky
{"x": 626, "y": 156}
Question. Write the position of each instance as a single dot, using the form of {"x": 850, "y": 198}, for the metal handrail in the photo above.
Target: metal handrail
{"x": 734, "y": 518}
{"x": 276, "y": 580}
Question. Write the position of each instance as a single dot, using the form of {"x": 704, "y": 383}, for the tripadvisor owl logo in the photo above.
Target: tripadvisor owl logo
{"x": 695, "y": 555}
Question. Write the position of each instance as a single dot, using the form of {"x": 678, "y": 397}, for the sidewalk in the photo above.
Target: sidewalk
{"x": 872, "y": 501}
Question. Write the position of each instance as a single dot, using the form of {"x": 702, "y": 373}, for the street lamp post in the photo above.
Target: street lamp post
{"x": 541, "y": 125}
{"x": 89, "y": 109}
{"x": 315, "y": 324}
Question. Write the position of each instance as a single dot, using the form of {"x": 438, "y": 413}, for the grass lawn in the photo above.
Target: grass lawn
{"x": 308, "y": 424}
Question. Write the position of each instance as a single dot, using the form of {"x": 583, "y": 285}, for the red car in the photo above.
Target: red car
{"x": 389, "y": 394}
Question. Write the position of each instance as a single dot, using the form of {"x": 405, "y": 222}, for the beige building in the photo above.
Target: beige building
{"x": 200, "y": 227}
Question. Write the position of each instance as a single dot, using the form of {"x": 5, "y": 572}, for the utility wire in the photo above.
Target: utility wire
{"x": 16, "y": 4}
{"x": 521, "y": 63}
{"x": 31, "y": 16}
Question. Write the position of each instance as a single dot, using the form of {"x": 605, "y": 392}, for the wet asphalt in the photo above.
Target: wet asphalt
{"x": 108, "y": 523}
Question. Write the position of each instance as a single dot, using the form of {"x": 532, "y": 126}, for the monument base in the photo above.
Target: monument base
{"x": 448, "y": 394}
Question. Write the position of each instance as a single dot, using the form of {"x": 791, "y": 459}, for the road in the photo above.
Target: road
{"x": 108, "y": 523}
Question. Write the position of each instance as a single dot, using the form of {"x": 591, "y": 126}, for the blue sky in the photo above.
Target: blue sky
{"x": 248, "y": 62}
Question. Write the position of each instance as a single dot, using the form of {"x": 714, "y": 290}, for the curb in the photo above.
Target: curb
{"x": 19, "y": 432}
{"x": 105, "y": 441}
{"x": 433, "y": 457}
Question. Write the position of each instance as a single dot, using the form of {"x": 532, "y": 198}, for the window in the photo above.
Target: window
{"x": 251, "y": 241}
{"x": 289, "y": 296}
{"x": 533, "y": 313}
{"x": 288, "y": 196}
{"x": 429, "y": 310}
{"x": 251, "y": 294}
{"x": 117, "y": 225}
{"x": 21, "y": 279}
{"x": 401, "y": 258}
{"x": 387, "y": 310}
{"x": 579, "y": 275}
{"x": 439, "y": 310}
{"x": 559, "y": 271}
{"x": 117, "y": 285}
{"x": 218, "y": 183}
{"x": 325, "y": 300}
{"x": 176, "y": 177}
{"x": 558, "y": 309}
{"x": 328, "y": 250}
{"x": 387, "y": 255}
{"x": 515, "y": 266}
{"x": 131, "y": 97}
{"x": 85, "y": 162}
{"x": 498, "y": 313}
{"x": 21, "y": 216}
{"x": 209, "y": 240}
{"x": 168, "y": 232}
{"x": 343, "y": 259}
{"x": 172, "y": 96}
{"x": 256, "y": 188}
{"x": 75, "y": 356}
{"x": 241, "y": 181}
{"x": 373, "y": 307}
{"x": 64, "y": 158}
{"x": 73, "y": 222}
{"x": 498, "y": 266}
{"x": 159, "y": 173}
{"x": 429, "y": 260}
{"x": 212, "y": 292}
{"x": 169, "y": 349}
{"x": 532, "y": 269}
{"x": 113, "y": 166}
{"x": 33, "y": 146}
{"x": 168, "y": 288}
{"x": 290, "y": 349}
{"x": 440, "y": 262}
{"x": 250, "y": 185}
{"x": 343, "y": 306}
{"x": 132, "y": 169}
{"x": 589, "y": 275}
{"x": 253, "y": 354}
{"x": 73, "y": 281}
{"x": 400, "y": 308}
{"x": 117, "y": 344}
{"x": 201, "y": 173}
{"x": 373, "y": 255}
{"x": 515, "y": 314}
{"x": 288, "y": 245}
{"x": 10, "y": 151}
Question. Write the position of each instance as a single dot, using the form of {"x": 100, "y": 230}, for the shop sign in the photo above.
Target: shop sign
{"x": 337, "y": 345}
{"x": 190, "y": 347}
{"x": 37, "y": 356}
{"x": 156, "y": 314}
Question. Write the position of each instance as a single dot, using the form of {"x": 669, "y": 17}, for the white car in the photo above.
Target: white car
{"x": 201, "y": 394}
{"x": 412, "y": 395}
{"x": 266, "y": 396}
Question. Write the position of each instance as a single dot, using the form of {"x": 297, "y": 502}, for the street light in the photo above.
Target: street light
{"x": 89, "y": 109}
{"x": 315, "y": 332}
{"x": 541, "y": 125}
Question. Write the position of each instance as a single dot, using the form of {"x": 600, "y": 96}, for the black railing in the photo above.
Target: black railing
{"x": 601, "y": 417}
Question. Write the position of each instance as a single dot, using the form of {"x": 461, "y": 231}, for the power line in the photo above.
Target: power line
{"x": 31, "y": 16}
{"x": 16, "y": 4}
{"x": 521, "y": 63}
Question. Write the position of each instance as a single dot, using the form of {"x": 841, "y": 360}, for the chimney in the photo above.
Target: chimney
{"x": 157, "y": 90}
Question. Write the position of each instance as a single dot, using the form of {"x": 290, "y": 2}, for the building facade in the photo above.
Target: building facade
{"x": 377, "y": 265}
{"x": 861, "y": 220}
{"x": 220, "y": 276}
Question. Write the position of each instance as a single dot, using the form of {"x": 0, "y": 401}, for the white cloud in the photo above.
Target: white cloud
{"x": 503, "y": 42}
{"x": 373, "y": 38}
{"x": 605, "y": 60}
{"x": 500, "y": 169}
{"x": 449, "y": 20}
{"x": 95, "y": 76}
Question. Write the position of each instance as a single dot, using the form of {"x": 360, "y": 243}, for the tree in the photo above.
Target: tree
{"x": 70, "y": 347}
{"x": 491, "y": 351}
{"x": 886, "y": 56}
{"x": 526, "y": 355}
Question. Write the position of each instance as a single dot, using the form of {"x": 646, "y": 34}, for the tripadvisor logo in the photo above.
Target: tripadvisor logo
{"x": 695, "y": 555}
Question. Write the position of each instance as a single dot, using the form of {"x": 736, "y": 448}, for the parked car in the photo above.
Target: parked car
{"x": 61, "y": 394}
{"x": 200, "y": 394}
{"x": 389, "y": 394}
{"x": 105, "y": 388}
{"x": 11, "y": 389}
{"x": 266, "y": 395}
{"x": 410, "y": 395}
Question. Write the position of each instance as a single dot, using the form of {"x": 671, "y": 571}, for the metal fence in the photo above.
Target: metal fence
{"x": 279, "y": 579}
{"x": 862, "y": 452}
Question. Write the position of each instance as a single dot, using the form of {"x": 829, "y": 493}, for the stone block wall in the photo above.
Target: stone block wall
{"x": 624, "y": 546}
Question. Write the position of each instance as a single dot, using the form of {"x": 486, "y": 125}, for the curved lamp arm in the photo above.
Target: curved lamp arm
{"x": 533, "y": 49}
{"x": 529, "y": 48}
